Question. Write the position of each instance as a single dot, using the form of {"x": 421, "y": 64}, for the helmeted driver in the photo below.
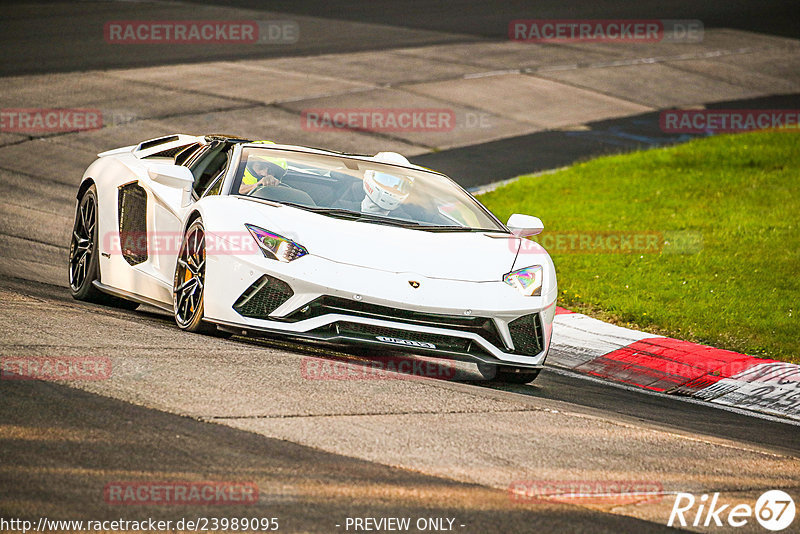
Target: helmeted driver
{"x": 262, "y": 171}
{"x": 385, "y": 191}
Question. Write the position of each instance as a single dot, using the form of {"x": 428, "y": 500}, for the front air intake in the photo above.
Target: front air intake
{"x": 263, "y": 297}
{"x": 527, "y": 334}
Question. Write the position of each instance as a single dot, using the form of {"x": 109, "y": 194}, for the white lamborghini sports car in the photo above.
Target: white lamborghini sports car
{"x": 240, "y": 237}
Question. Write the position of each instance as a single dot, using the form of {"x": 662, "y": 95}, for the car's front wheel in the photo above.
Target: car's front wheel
{"x": 507, "y": 374}
{"x": 189, "y": 283}
{"x": 188, "y": 288}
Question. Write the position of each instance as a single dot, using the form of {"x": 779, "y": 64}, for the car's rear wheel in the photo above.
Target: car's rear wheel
{"x": 507, "y": 374}
{"x": 189, "y": 283}
{"x": 84, "y": 266}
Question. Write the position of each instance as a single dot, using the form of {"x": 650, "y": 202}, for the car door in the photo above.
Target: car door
{"x": 206, "y": 163}
{"x": 164, "y": 224}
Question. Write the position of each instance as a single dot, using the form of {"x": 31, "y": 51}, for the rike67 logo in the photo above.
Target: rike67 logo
{"x": 774, "y": 510}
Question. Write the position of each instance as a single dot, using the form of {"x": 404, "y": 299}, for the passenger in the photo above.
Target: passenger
{"x": 384, "y": 192}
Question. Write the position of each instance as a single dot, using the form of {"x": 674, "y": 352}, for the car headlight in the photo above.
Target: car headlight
{"x": 276, "y": 247}
{"x": 528, "y": 281}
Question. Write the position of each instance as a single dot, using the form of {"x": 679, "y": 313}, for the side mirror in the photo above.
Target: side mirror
{"x": 524, "y": 225}
{"x": 175, "y": 177}
{"x": 171, "y": 175}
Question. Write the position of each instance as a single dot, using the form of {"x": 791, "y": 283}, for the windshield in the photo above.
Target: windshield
{"x": 363, "y": 190}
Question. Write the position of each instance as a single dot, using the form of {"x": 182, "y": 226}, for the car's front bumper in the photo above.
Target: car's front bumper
{"x": 315, "y": 298}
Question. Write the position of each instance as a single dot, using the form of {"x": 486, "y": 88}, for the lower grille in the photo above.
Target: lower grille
{"x": 372, "y": 333}
{"x": 482, "y": 326}
{"x": 527, "y": 334}
{"x": 263, "y": 297}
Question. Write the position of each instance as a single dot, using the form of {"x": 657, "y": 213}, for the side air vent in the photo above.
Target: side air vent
{"x": 132, "y": 204}
{"x": 527, "y": 334}
{"x": 168, "y": 153}
{"x": 263, "y": 297}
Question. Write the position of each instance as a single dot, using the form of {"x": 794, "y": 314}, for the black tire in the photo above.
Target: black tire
{"x": 189, "y": 283}
{"x": 83, "y": 266}
{"x": 506, "y": 374}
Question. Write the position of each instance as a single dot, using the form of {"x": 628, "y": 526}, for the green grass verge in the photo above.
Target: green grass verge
{"x": 726, "y": 212}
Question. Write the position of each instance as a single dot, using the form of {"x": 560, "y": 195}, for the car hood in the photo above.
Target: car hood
{"x": 469, "y": 256}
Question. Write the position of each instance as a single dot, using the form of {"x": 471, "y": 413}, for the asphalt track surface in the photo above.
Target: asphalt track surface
{"x": 490, "y": 19}
{"x": 67, "y": 445}
{"x": 553, "y": 149}
{"x": 187, "y": 407}
{"x": 62, "y": 445}
{"x": 57, "y": 36}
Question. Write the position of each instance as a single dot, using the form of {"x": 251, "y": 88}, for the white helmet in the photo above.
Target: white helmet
{"x": 387, "y": 191}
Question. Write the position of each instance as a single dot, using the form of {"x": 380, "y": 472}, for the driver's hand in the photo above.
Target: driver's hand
{"x": 269, "y": 180}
